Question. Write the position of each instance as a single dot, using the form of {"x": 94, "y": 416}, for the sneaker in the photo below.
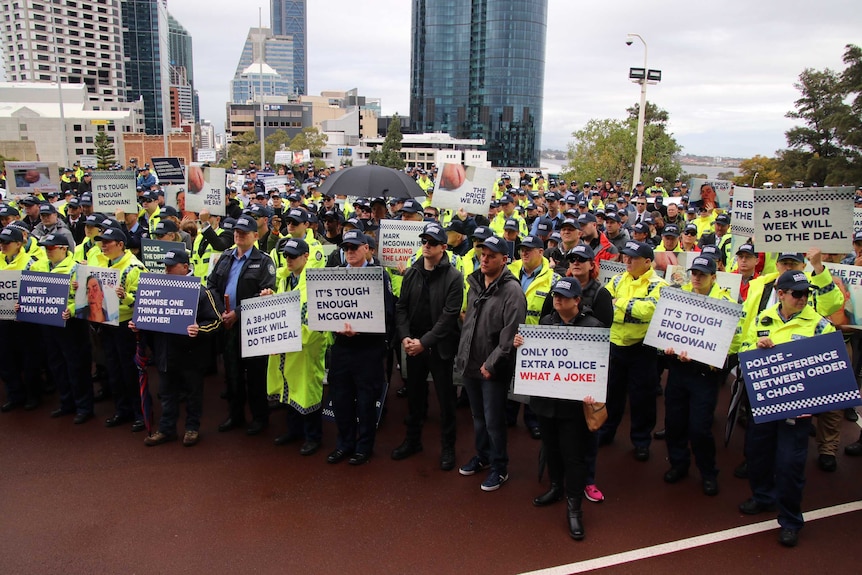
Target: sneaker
{"x": 592, "y": 493}
{"x": 473, "y": 466}
{"x": 158, "y": 438}
{"x": 191, "y": 438}
{"x": 494, "y": 480}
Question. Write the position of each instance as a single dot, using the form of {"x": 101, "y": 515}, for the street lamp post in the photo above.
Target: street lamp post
{"x": 642, "y": 76}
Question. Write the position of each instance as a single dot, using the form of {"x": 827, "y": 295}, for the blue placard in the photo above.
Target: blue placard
{"x": 42, "y": 298}
{"x": 806, "y": 376}
{"x": 166, "y": 303}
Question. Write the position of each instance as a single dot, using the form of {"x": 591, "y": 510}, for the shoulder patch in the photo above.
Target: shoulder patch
{"x": 318, "y": 255}
{"x": 271, "y": 269}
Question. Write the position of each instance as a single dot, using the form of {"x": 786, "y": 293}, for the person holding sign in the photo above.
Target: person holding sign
{"x": 242, "y": 272}
{"x": 297, "y": 377}
{"x": 486, "y": 357}
{"x": 776, "y": 451}
{"x": 691, "y": 396}
{"x": 565, "y": 435}
{"x": 633, "y": 365}
{"x": 68, "y": 348}
{"x": 427, "y": 322}
{"x": 118, "y": 341}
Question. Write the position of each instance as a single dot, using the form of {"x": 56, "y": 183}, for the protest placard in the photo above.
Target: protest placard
{"x": 741, "y": 218}
{"x": 153, "y": 253}
{"x": 802, "y": 377}
{"x": 791, "y": 220}
{"x": 346, "y": 295}
{"x": 271, "y": 324}
{"x": 10, "y": 281}
{"x": 26, "y": 178}
{"x": 678, "y": 276}
{"x": 697, "y": 324}
{"x": 608, "y": 269}
{"x": 167, "y": 304}
{"x": 114, "y": 189}
{"x": 465, "y": 187}
{"x": 89, "y": 161}
{"x": 43, "y": 297}
{"x": 274, "y": 182}
{"x": 563, "y": 362}
{"x": 712, "y": 193}
{"x": 283, "y": 157}
{"x": 207, "y": 155}
{"x": 399, "y": 241}
{"x": 205, "y": 190}
{"x": 857, "y": 219}
{"x": 96, "y": 298}
{"x": 848, "y": 279}
{"x": 169, "y": 171}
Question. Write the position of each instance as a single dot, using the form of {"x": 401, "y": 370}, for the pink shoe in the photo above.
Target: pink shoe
{"x": 592, "y": 493}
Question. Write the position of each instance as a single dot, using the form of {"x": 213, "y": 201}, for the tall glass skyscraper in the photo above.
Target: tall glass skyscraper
{"x": 478, "y": 71}
{"x": 146, "y": 54}
{"x": 290, "y": 18}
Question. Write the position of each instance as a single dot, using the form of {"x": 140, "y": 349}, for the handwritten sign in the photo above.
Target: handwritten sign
{"x": 790, "y": 220}
{"x": 563, "y": 362}
{"x": 43, "y": 297}
{"x": 96, "y": 299}
{"x": 271, "y": 324}
{"x": 167, "y": 304}
{"x": 114, "y": 189}
{"x": 802, "y": 377}
{"x": 465, "y": 187}
{"x": 10, "y": 280}
{"x": 346, "y": 295}
{"x": 699, "y": 325}
{"x": 399, "y": 241}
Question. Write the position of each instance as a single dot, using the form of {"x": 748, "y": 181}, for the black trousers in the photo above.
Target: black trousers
{"x": 565, "y": 443}
{"x": 118, "y": 344}
{"x": 70, "y": 359}
{"x": 246, "y": 380}
{"x": 418, "y": 368}
{"x": 356, "y": 382}
{"x": 632, "y": 373}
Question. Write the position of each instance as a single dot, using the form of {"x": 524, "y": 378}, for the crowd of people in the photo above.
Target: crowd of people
{"x": 453, "y": 313}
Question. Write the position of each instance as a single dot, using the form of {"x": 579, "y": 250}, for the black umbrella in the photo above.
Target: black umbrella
{"x": 370, "y": 182}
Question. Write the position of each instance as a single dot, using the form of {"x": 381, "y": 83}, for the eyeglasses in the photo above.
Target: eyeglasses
{"x": 430, "y": 243}
{"x": 800, "y": 294}
{"x": 351, "y": 247}
{"x": 430, "y": 215}
{"x": 690, "y": 233}
{"x": 641, "y": 203}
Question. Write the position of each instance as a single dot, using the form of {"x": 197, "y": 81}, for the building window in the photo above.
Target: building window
{"x": 76, "y": 127}
{"x": 79, "y": 151}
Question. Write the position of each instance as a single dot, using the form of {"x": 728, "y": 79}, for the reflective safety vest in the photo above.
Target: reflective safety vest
{"x": 499, "y": 222}
{"x": 538, "y": 290}
{"x": 634, "y": 304}
{"x": 769, "y": 323}
{"x": 130, "y": 271}
{"x": 201, "y": 261}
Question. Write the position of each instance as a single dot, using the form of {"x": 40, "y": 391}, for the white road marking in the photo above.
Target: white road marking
{"x": 690, "y": 543}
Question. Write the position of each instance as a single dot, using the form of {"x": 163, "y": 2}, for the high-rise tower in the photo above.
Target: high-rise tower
{"x": 290, "y": 18}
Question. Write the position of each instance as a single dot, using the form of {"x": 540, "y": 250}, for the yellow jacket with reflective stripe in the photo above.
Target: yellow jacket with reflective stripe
{"x": 538, "y": 289}
{"x": 634, "y": 305}
{"x": 807, "y": 323}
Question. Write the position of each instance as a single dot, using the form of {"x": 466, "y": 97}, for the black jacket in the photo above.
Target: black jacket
{"x": 563, "y": 408}
{"x": 445, "y": 290}
{"x": 175, "y": 352}
{"x": 258, "y": 273}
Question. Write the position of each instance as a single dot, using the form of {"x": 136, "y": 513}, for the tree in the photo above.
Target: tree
{"x": 606, "y": 148}
{"x": 104, "y": 151}
{"x": 765, "y": 170}
{"x": 243, "y": 148}
{"x": 389, "y": 154}
{"x": 313, "y": 140}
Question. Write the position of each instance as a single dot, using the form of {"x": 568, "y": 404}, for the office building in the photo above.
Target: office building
{"x": 181, "y": 60}
{"x": 290, "y": 18}
{"x": 146, "y": 57}
{"x": 478, "y": 71}
{"x": 265, "y": 58}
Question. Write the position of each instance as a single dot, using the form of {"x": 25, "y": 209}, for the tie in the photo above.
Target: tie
{"x": 293, "y": 282}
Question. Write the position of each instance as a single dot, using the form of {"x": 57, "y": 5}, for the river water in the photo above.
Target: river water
{"x": 555, "y": 166}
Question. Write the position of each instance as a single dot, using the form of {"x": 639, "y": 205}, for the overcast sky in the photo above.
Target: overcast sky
{"x": 728, "y": 67}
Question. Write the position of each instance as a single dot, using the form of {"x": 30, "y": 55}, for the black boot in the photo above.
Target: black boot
{"x": 554, "y": 494}
{"x": 576, "y": 524}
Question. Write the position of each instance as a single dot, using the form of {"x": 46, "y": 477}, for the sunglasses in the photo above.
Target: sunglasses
{"x": 431, "y": 243}
{"x": 351, "y": 247}
{"x": 578, "y": 259}
{"x": 641, "y": 203}
{"x": 800, "y": 294}
{"x": 430, "y": 215}
{"x": 292, "y": 257}
{"x": 689, "y": 233}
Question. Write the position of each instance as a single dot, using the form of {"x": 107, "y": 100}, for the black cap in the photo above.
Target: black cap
{"x": 793, "y": 281}
{"x": 638, "y": 249}
{"x": 297, "y": 216}
{"x": 112, "y": 235}
{"x": 532, "y": 242}
{"x": 411, "y": 206}
{"x": 703, "y": 264}
{"x": 482, "y": 233}
{"x": 169, "y": 211}
{"x": 165, "y": 227}
{"x": 495, "y": 244}
{"x": 356, "y": 223}
{"x": 797, "y": 257}
{"x": 586, "y": 218}
{"x": 174, "y": 257}
{"x": 354, "y": 237}
{"x": 567, "y": 287}
{"x": 435, "y": 232}
{"x": 54, "y": 240}
{"x": 6, "y": 211}
{"x": 581, "y": 251}
{"x": 456, "y": 226}
{"x": 295, "y": 247}
{"x": 245, "y": 224}
{"x": 747, "y": 249}
{"x": 11, "y": 234}
{"x": 671, "y": 230}
{"x": 723, "y": 219}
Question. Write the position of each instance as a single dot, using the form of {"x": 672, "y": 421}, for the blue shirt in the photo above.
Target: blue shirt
{"x": 526, "y": 280}
{"x": 233, "y": 278}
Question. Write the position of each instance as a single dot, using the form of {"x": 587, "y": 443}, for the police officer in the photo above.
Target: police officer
{"x": 180, "y": 360}
{"x": 212, "y": 239}
{"x": 242, "y": 272}
{"x": 633, "y": 365}
{"x": 427, "y": 316}
{"x": 691, "y": 396}
{"x": 776, "y": 451}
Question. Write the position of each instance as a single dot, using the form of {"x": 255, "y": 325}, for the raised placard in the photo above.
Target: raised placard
{"x": 792, "y": 220}
{"x": 466, "y": 187}
{"x": 339, "y": 296}
{"x": 114, "y": 189}
{"x": 166, "y": 303}
{"x": 43, "y": 297}
{"x": 399, "y": 241}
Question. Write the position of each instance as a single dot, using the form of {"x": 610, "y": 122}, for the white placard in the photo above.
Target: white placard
{"x": 337, "y": 296}
{"x": 277, "y": 182}
{"x": 88, "y": 161}
{"x": 284, "y": 157}
{"x": 114, "y": 189}
{"x": 700, "y": 325}
{"x": 563, "y": 362}
{"x": 271, "y": 324}
{"x": 10, "y": 280}
{"x": 792, "y": 220}
{"x": 741, "y": 217}
{"x": 399, "y": 241}
{"x": 678, "y": 276}
{"x": 465, "y": 187}
{"x": 857, "y": 219}
{"x": 25, "y": 178}
{"x": 207, "y": 155}
{"x": 206, "y": 190}
{"x": 608, "y": 269}
{"x": 96, "y": 298}
{"x": 716, "y": 192}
